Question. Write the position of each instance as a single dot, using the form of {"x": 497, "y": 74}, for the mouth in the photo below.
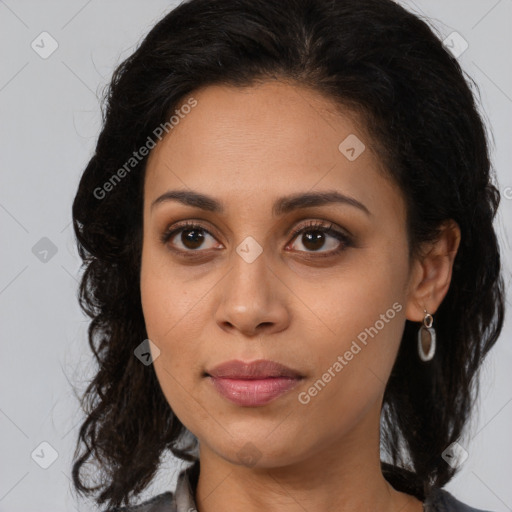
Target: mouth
{"x": 252, "y": 384}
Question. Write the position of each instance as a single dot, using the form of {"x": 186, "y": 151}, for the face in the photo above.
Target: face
{"x": 256, "y": 274}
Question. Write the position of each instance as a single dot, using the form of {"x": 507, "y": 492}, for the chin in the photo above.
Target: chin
{"x": 257, "y": 450}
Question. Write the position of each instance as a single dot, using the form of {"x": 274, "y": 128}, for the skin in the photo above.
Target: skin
{"x": 247, "y": 147}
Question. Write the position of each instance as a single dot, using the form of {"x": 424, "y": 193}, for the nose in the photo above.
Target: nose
{"x": 253, "y": 300}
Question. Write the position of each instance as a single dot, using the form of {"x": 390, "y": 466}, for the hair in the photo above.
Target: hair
{"x": 372, "y": 58}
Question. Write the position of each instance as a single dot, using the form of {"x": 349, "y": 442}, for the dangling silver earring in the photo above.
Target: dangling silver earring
{"x": 427, "y": 330}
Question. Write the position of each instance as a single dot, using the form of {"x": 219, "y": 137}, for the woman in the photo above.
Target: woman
{"x": 290, "y": 262}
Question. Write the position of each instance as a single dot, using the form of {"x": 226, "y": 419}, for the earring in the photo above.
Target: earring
{"x": 426, "y": 330}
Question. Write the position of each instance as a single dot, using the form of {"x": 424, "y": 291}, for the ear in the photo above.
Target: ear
{"x": 431, "y": 273}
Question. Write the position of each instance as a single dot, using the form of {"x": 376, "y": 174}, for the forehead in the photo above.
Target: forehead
{"x": 273, "y": 137}
{"x": 270, "y": 120}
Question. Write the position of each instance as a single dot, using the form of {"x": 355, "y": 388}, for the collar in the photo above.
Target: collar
{"x": 186, "y": 485}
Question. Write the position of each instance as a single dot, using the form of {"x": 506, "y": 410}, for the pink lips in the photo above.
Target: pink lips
{"x": 253, "y": 384}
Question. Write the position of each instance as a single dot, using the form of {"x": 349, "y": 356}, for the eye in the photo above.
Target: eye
{"x": 188, "y": 237}
{"x": 316, "y": 235}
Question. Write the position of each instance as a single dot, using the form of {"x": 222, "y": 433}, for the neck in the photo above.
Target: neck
{"x": 346, "y": 477}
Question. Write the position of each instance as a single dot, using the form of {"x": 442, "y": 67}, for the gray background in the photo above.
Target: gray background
{"x": 49, "y": 122}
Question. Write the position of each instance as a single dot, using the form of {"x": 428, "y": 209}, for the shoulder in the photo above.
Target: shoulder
{"x": 443, "y": 501}
{"x": 164, "y": 502}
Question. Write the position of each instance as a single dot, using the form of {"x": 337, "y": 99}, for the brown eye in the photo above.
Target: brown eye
{"x": 192, "y": 238}
{"x": 313, "y": 240}
{"x": 317, "y": 236}
{"x": 188, "y": 238}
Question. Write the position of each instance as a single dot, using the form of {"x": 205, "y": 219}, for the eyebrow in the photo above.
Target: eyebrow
{"x": 281, "y": 206}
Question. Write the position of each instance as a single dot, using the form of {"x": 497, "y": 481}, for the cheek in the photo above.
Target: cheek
{"x": 174, "y": 316}
{"x": 355, "y": 297}
{"x": 165, "y": 299}
{"x": 168, "y": 315}
{"x": 361, "y": 313}
{"x": 171, "y": 324}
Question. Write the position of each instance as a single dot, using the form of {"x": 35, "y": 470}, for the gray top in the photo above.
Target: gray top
{"x": 182, "y": 500}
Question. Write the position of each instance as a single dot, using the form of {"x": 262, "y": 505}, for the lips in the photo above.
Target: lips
{"x": 261, "y": 369}
{"x": 253, "y": 384}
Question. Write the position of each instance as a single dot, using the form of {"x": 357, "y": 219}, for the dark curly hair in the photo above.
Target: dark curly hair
{"x": 372, "y": 58}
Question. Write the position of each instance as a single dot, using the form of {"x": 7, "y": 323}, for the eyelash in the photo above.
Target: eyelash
{"x": 346, "y": 241}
